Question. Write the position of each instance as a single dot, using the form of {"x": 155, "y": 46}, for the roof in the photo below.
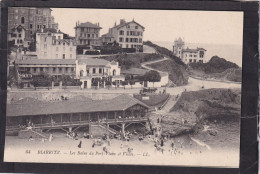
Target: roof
{"x": 94, "y": 62}
{"x": 107, "y": 35}
{"x": 193, "y": 50}
{"x": 88, "y": 25}
{"x": 134, "y": 71}
{"x": 119, "y": 103}
{"x": 46, "y": 61}
{"x": 19, "y": 26}
{"x": 126, "y": 23}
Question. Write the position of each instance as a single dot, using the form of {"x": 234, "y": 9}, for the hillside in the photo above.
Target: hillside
{"x": 127, "y": 61}
{"x": 174, "y": 66}
{"x": 215, "y": 65}
{"x": 177, "y": 73}
{"x": 216, "y": 68}
{"x": 211, "y": 115}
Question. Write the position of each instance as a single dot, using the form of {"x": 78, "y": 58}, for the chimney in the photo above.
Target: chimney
{"x": 115, "y": 23}
{"x": 98, "y": 24}
{"x": 109, "y": 30}
{"x": 122, "y": 21}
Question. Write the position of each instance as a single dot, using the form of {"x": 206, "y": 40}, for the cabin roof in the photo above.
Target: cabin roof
{"x": 119, "y": 103}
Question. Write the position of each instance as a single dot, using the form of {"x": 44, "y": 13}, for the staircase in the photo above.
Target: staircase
{"x": 113, "y": 131}
{"x": 170, "y": 103}
{"x": 99, "y": 129}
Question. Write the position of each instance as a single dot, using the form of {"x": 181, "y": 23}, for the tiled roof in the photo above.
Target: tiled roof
{"x": 193, "y": 50}
{"x": 119, "y": 103}
{"x": 88, "y": 25}
{"x": 47, "y": 61}
{"x": 94, "y": 62}
{"x": 124, "y": 24}
{"x": 134, "y": 71}
{"x": 107, "y": 35}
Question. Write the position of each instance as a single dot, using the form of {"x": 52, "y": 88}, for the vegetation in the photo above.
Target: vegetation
{"x": 127, "y": 61}
{"x": 215, "y": 65}
{"x": 177, "y": 73}
{"x": 165, "y": 52}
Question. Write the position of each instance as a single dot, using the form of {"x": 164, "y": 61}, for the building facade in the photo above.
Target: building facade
{"x": 128, "y": 34}
{"x": 89, "y": 69}
{"x": 32, "y": 19}
{"x": 188, "y": 55}
{"x": 51, "y": 45}
{"x": 87, "y": 33}
{"x": 17, "y": 35}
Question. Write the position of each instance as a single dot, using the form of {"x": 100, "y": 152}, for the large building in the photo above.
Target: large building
{"x": 87, "y": 33}
{"x": 89, "y": 69}
{"x": 32, "y": 19}
{"x": 17, "y": 35}
{"x": 99, "y": 116}
{"x": 52, "y": 45}
{"x": 127, "y": 34}
{"x": 188, "y": 55}
{"x": 86, "y": 70}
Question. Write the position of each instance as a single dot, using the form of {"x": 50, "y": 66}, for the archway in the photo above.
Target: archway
{"x": 114, "y": 72}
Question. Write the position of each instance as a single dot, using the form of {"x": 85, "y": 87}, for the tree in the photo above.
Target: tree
{"x": 132, "y": 82}
{"x": 114, "y": 83}
{"x": 108, "y": 83}
{"x": 123, "y": 83}
{"x": 152, "y": 76}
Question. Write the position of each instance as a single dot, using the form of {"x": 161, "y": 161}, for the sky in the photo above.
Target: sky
{"x": 211, "y": 27}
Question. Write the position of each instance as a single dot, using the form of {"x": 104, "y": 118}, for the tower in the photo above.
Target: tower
{"x": 178, "y": 47}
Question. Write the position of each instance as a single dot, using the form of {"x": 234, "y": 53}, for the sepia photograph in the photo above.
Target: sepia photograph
{"x": 124, "y": 86}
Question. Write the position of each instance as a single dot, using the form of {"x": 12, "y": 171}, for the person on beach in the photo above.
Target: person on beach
{"x": 79, "y": 146}
{"x": 50, "y": 138}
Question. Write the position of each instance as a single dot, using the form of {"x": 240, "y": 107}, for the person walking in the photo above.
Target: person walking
{"x": 79, "y": 146}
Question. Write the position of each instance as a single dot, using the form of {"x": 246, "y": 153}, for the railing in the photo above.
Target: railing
{"x": 80, "y": 123}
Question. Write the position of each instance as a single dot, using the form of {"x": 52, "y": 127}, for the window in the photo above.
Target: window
{"x": 34, "y": 69}
{"x": 20, "y": 35}
{"x": 126, "y": 39}
{"x": 127, "y": 33}
{"x": 194, "y": 60}
{"x": 121, "y": 39}
{"x": 38, "y": 27}
{"x": 37, "y": 11}
{"x": 87, "y": 70}
{"x": 88, "y": 35}
{"x": 44, "y": 26}
{"x": 63, "y": 48}
{"x": 121, "y": 32}
{"x": 31, "y": 26}
{"x": 41, "y": 69}
{"x": 195, "y": 55}
{"x": 127, "y": 26}
{"x": 201, "y": 54}
{"x": 179, "y": 52}
{"x": 190, "y": 60}
{"x": 22, "y": 20}
{"x": 126, "y": 45}
{"x": 100, "y": 70}
{"x": 140, "y": 40}
{"x": 59, "y": 37}
{"x": 136, "y": 27}
{"x": 141, "y": 33}
{"x": 200, "y": 61}
{"x": 72, "y": 69}
{"x": 70, "y": 55}
{"x": 82, "y": 29}
{"x": 94, "y": 70}
{"x": 60, "y": 70}
{"x": 63, "y": 44}
{"x": 63, "y": 56}
{"x": 96, "y": 35}
{"x": 93, "y": 35}
{"x": 56, "y": 56}
{"x": 190, "y": 55}
{"x": 66, "y": 70}
{"x": 53, "y": 69}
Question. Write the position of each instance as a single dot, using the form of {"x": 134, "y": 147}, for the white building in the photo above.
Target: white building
{"x": 88, "y": 69}
{"x": 188, "y": 55}
{"x": 51, "y": 45}
{"x": 128, "y": 34}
